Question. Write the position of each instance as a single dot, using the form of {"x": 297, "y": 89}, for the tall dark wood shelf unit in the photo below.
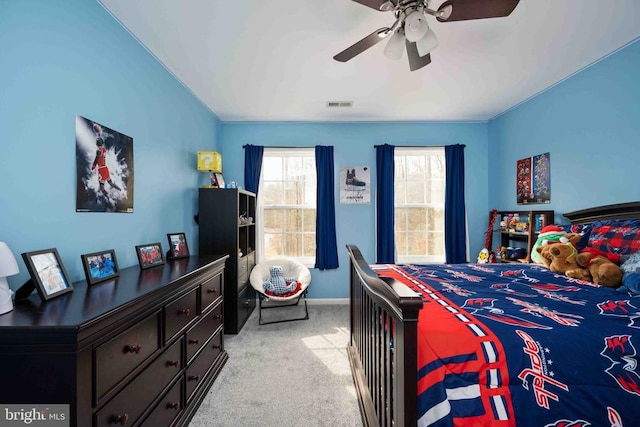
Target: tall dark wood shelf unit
{"x": 524, "y": 239}
{"x": 222, "y": 232}
{"x": 141, "y": 349}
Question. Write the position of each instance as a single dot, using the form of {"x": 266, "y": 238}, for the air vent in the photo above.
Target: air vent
{"x": 339, "y": 104}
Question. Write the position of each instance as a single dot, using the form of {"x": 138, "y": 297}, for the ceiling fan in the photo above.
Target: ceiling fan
{"x": 411, "y": 30}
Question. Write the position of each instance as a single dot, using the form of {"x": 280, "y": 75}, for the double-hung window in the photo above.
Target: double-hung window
{"x": 419, "y": 185}
{"x": 287, "y": 204}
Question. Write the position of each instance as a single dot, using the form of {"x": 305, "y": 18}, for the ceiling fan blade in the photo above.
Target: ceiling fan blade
{"x": 373, "y": 4}
{"x": 415, "y": 60}
{"x": 462, "y": 10}
{"x": 364, "y": 44}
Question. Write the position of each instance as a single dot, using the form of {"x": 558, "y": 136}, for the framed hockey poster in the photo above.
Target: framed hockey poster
{"x": 533, "y": 179}
{"x": 355, "y": 185}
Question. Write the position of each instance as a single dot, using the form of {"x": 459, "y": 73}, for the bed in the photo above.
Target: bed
{"x": 494, "y": 344}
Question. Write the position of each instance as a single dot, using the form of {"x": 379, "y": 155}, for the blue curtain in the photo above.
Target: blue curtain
{"x": 252, "y": 167}
{"x": 385, "y": 237}
{"x": 326, "y": 242}
{"x": 455, "y": 239}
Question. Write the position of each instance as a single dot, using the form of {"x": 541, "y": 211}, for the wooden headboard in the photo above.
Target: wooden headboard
{"x": 629, "y": 210}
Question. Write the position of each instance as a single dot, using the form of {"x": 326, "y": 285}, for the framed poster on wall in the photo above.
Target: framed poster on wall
{"x": 355, "y": 185}
{"x": 533, "y": 179}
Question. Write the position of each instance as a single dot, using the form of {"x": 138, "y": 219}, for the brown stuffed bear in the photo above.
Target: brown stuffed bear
{"x": 603, "y": 271}
{"x": 544, "y": 249}
{"x": 563, "y": 260}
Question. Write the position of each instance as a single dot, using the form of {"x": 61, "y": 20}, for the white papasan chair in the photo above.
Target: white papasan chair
{"x": 291, "y": 268}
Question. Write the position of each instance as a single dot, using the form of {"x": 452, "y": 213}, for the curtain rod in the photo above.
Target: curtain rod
{"x": 281, "y": 146}
{"x": 417, "y": 146}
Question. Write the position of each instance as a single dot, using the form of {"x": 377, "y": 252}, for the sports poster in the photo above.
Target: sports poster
{"x": 355, "y": 185}
{"x": 533, "y": 182}
{"x": 104, "y": 168}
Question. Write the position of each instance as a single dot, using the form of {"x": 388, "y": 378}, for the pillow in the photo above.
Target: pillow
{"x": 631, "y": 274}
{"x": 615, "y": 237}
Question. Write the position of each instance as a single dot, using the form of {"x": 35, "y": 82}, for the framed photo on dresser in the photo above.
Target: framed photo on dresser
{"x": 150, "y": 255}
{"x": 100, "y": 266}
{"x": 47, "y": 273}
{"x": 178, "y": 247}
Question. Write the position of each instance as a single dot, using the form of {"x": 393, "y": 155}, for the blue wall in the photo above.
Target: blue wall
{"x": 62, "y": 58}
{"x": 590, "y": 123}
{"x": 353, "y": 146}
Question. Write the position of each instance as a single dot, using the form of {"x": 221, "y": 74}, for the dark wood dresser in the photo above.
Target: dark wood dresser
{"x": 142, "y": 349}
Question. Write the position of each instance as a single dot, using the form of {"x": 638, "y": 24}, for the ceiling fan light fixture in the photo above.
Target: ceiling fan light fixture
{"x": 426, "y": 44}
{"x": 395, "y": 45}
{"x": 387, "y": 6}
{"x": 415, "y": 26}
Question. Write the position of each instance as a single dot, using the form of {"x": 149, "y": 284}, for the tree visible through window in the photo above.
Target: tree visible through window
{"x": 419, "y": 204}
{"x": 287, "y": 199}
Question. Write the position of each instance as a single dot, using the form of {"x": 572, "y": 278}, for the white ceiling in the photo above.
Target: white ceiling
{"x": 256, "y": 60}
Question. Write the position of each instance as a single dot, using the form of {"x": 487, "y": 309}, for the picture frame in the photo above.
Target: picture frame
{"x": 219, "y": 180}
{"x": 48, "y": 274}
{"x": 100, "y": 266}
{"x": 150, "y": 255}
{"x": 178, "y": 247}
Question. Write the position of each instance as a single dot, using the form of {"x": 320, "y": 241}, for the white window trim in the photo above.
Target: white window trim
{"x": 278, "y": 152}
{"x": 419, "y": 259}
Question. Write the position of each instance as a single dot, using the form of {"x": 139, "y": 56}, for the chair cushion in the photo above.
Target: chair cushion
{"x": 290, "y": 269}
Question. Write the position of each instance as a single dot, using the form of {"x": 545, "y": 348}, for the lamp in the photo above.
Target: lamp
{"x": 395, "y": 45}
{"x": 426, "y": 44}
{"x": 415, "y": 26}
{"x": 8, "y": 267}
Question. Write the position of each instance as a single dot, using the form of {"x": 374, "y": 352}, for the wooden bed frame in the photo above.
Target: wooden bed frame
{"x": 383, "y": 320}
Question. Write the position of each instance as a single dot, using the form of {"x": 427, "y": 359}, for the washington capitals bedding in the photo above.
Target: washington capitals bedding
{"x": 514, "y": 344}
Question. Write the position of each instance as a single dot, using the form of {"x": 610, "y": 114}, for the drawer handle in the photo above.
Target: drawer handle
{"x": 173, "y": 362}
{"x": 184, "y": 311}
{"x": 192, "y": 341}
{"x": 173, "y": 405}
{"x": 121, "y": 419}
{"x": 132, "y": 348}
{"x": 216, "y": 346}
{"x": 211, "y": 291}
{"x": 193, "y": 378}
{"x": 217, "y": 316}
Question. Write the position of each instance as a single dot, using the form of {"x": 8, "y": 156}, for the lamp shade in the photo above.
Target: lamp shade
{"x": 395, "y": 45}
{"x": 415, "y": 26}
{"x": 8, "y": 263}
{"x": 426, "y": 44}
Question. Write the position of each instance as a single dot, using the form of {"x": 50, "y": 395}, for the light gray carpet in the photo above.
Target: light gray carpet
{"x": 293, "y": 374}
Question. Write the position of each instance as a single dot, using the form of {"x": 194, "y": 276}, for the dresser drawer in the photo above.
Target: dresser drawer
{"x": 121, "y": 355}
{"x": 179, "y": 313}
{"x": 211, "y": 291}
{"x": 200, "y": 333}
{"x": 167, "y": 409}
{"x": 200, "y": 366}
{"x": 127, "y": 406}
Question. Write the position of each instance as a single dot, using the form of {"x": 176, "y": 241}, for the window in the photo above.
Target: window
{"x": 419, "y": 204}
{"x": 287, "y": 203}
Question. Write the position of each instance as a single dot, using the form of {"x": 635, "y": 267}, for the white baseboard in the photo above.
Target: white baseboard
{"x": 328, "y": 301}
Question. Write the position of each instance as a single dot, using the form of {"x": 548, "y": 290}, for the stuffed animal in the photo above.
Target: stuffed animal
{"x": 542, "y": 251}
{"x": 544, "y": 255}
{"x": 563, "y": 260}
{"x": 277, "y": 284}
{"x": 549, "y": 235}
{"x": 603, "y": 271}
